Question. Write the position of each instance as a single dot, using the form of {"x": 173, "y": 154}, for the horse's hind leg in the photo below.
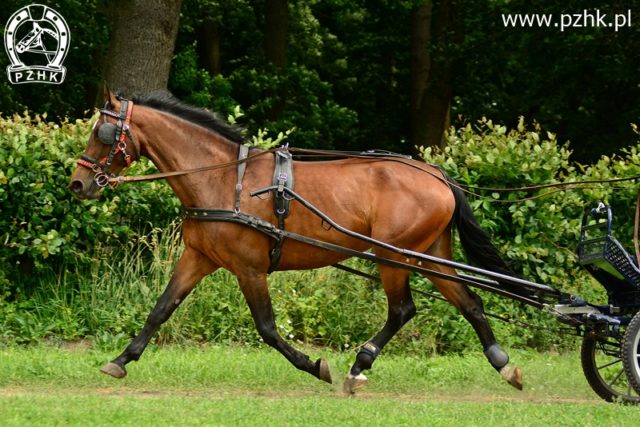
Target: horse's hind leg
{"x": 191, "y": 268}
{"x": 470, "y": 305}
{"x": 400, "y": 310}
{"x": 256, "y": 292}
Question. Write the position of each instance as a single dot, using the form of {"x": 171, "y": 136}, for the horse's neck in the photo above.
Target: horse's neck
{"x": 177, "y": 145}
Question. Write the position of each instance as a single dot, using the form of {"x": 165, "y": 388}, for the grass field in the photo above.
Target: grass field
{"x": 241, "y": 386}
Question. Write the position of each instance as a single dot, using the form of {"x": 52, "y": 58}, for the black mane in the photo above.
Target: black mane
{"x": 165, "y": 101}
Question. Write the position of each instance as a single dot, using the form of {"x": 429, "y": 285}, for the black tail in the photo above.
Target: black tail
{"x": 475, "y": 241}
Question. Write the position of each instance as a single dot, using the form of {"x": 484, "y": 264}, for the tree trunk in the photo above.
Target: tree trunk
{"x": 142, "y": 40}
{"x": 209, "y": 46}
{"x": 420, "y": 70}
{"x": 276, "y": 15}
{"x": 275, "y": 34}
{"x": 435, "y": 33}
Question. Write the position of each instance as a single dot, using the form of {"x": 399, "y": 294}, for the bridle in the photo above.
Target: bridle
{"x": 116, "y": 136}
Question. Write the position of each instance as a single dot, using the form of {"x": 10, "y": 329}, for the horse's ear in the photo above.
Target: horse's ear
{"x": 109, "y": 96}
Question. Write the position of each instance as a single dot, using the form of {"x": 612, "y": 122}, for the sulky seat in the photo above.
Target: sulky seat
{"x": 606, "y": 259}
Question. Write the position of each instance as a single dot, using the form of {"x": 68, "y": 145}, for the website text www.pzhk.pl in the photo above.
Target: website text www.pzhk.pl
{"x": 585, "y": 19}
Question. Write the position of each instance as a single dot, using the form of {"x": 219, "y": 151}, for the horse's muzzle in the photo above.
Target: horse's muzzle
{"x": 83, "y": 191}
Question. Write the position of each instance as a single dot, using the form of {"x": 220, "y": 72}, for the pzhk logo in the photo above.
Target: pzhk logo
{"x": 36, "y": 39}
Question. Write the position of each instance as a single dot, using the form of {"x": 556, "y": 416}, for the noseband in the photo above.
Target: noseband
{"x": 116, "y": 136}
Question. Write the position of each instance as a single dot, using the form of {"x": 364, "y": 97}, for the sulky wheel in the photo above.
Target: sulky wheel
{"x": 603, "y": 367}
{"x": 631, "y": 352}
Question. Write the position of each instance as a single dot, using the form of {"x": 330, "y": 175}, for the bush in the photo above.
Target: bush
{"x": 537, "y": 232}
{"x": 537, "y": 236}
{"x": 197, "y": 87}
{"x": 101, "y": 266}
{"x": 111, "y": 300}
{"x": 297, "y": 98}
{"x": 43, "y": 227}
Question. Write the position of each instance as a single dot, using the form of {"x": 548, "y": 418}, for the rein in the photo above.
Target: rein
{"x": 116, "y": 135}
{"x": 162, "y": 175}
{"x": 381, "y": 155}
{"x": 321, "y": 153}
{"x": 554, "y": 185}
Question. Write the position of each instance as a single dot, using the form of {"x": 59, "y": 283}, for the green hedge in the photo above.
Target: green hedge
{"x": 539, "y": 236}
{"x": 98, "y": 266}
{"x": 42, "y": 226}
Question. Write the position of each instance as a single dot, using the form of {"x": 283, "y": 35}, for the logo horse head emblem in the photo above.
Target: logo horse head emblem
{"x": 36, "y": 39}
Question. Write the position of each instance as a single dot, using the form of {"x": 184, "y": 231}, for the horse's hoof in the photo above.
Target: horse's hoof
{"x": 114, "y": 370}
{"x": 351, "y": 383}
{"x": 513, "y": 375}
{"x": 323, "y": 371}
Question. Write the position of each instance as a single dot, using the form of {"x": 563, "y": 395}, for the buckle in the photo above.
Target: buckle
{"x": 101, "y": 179}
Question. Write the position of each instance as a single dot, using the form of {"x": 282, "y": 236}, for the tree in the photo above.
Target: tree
{"x": 436, "y": 31}
{"x": 420, "y": 70}
{"x": 276, "y": 32}
{"x": 142, "y": 42}
{"x": 208, "y": 34}
{"x": 580, "y": 83}
{"x": 361, "y": 73}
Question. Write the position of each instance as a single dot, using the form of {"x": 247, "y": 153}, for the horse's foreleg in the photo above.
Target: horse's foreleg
{"x": 256, "y": 292}
{"x": 191, "y": 268}
{"x": 401, "y": 309}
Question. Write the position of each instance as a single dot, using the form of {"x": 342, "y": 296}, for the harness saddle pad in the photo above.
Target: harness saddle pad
{"x": 282, "y": 178}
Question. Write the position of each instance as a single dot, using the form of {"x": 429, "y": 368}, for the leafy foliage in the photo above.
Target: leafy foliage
{"x": 536, "y": 231}
{"x": 538, "y": 235}
{"x": 42, "y": 225}
{"x": 100, "y": 265}
{"x": 346, "y": 84}
{"x": 589, "y": 68}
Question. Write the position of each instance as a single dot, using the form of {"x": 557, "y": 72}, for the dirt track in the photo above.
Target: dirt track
{"x": 231, "y": 393}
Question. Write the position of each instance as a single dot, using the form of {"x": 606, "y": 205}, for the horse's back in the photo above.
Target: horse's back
{"x": 405, "y": 203}
{"x": 397, "y": 201}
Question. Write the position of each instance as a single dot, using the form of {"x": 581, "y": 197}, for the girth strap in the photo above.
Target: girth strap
{"x": 282, "y": 183}
{"x": 238, "y": 217}
{"x": 226, "y": 215}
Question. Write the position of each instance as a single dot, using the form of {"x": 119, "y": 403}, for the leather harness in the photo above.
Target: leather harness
{"x": 116, "y": 135}
{"x": 282, "y": 184}
{"x": 282, "y": 193}
{"x": 282, "y": 178}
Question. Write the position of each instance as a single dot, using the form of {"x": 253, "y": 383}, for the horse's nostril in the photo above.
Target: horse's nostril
{"x": 76, "y": 187}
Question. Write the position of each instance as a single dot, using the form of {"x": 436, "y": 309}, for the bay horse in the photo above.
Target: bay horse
{"x": 408, "y": 204}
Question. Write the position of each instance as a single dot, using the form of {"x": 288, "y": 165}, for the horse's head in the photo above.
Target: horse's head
{"x": 111, "y": 148}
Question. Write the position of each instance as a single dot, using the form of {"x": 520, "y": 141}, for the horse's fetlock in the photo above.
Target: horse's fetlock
{"x": 366, "y": 355}
{"x": 497, "y": 356}
{"x": 364, "y": 361}
{"x": 410, "y": 312}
